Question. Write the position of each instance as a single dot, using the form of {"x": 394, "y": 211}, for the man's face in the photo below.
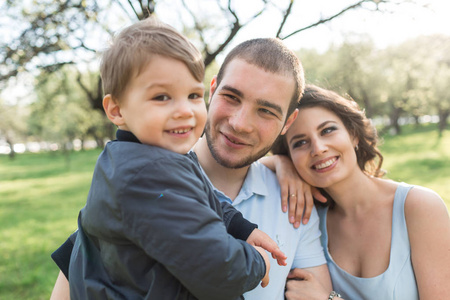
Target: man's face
{"x": 247, "y": 112}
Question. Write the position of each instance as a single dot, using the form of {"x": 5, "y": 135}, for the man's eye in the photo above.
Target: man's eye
{"x": 266, "y": 111}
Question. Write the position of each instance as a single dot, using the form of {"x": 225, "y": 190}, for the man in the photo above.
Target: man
{"x": 252, "y": 102}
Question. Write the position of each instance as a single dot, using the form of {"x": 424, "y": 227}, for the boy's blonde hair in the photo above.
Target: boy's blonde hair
{"x": 133, "y": 48}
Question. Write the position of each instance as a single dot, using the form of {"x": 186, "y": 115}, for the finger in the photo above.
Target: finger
{"x": 265, "y": 281}
{"x": 317, "y": 195}
{"x": 284, "y": 197}
{"x": 298, "y": 274}
{"x": 308, "y": 207}
{"x": 292, "y": 206}
{"x": 280, "y": 257}
{"x": 299, "y": 209}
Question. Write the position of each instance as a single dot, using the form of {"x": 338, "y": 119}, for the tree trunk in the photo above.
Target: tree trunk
{"x": 443, "y": 115}
{"x": 395, "y": 115}
{"x": 12, "y": 153}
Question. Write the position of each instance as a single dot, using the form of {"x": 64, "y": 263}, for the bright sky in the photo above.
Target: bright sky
{"x": 406, "y": 21}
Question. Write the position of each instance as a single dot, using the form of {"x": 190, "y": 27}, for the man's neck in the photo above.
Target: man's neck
{"x": 227, "y": 180}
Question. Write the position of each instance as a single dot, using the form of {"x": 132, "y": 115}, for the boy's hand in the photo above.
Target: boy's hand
{"x": 265, "y": 280}
{"x": 261, "y": 239}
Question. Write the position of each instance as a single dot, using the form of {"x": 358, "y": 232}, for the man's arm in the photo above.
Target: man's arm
{"x": 61, "y": 289}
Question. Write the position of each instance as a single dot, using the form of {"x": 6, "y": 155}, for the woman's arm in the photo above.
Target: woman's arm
{"x": 428, "y": 225}
{"x": 293, "y": 189}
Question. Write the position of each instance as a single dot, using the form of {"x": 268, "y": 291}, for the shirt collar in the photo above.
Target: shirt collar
{"x": 126, "y": 136}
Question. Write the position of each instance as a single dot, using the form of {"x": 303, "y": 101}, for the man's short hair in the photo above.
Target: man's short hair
{"x": 273, "y": 56}
{"x": 133, "y": 48}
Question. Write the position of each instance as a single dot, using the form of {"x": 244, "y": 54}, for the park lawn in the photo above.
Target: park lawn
{"x": 41, "y": 194}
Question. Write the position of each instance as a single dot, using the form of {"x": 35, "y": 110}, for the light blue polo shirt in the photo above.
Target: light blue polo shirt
{"x": 260, "y": 202}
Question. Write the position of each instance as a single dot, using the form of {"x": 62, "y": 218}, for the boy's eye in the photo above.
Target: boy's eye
{"x": 161, "y": 98}
{"x": 194, "y": 96}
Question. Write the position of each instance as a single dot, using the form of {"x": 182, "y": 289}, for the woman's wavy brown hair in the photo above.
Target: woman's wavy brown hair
{"x": 355, "y": 121}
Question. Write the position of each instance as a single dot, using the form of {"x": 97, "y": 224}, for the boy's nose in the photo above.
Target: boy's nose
{"x": 184, "y": 109}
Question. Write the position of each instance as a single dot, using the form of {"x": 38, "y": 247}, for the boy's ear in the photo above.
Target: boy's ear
{"x": 289, "y": 121}
{"x": 112, "y": 110}
{"x": 212, "y": 87}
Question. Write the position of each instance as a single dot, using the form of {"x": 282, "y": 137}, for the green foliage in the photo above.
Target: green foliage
{"x": 40, "y": 198}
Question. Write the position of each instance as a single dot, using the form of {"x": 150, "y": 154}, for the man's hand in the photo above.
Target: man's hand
{"x": 261, "y": 239}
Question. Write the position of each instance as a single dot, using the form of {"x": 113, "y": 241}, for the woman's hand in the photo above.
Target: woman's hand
{"x": 294, "y": 190}
{"x": 303, "y": 285}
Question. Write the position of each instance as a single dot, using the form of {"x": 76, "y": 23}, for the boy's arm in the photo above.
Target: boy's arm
{"x": 166, "y": 211}
{"x": 61, "y": 256}
{"x": 239, "y": 227}
{"x": 243, "y": 229}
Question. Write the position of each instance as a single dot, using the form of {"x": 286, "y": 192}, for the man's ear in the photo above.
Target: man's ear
{"x": 112, "y": 110}
{"x": 212, "y": 87}
{"x": 289, "y": 121}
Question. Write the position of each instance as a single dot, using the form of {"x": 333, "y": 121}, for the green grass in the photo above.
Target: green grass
{"x": 420, "y": 157}
{"x": 41, "y": 194}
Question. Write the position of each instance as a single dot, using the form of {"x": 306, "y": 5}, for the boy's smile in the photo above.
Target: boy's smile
{"x": 163, "y": 106}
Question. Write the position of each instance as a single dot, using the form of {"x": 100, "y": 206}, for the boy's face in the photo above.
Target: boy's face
{"x": 164, "y": 106}
{"x": 247, "y": 112}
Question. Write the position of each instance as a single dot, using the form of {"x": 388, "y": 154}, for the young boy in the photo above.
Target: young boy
{"x": 151, "y": 227}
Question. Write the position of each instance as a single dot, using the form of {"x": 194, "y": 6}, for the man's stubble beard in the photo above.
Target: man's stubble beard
{"x": 231, "y": 165}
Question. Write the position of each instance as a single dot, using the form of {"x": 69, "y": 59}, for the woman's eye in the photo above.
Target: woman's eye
{"x": 328, "y": 130}
{"x": 298, "y": 144}
{"x": 161, "y": 98}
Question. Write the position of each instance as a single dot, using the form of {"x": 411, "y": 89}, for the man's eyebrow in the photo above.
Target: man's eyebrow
{"x": 233, "y": 90}
{"x": 261, "y": 102}
{"x": 272, "y": 105}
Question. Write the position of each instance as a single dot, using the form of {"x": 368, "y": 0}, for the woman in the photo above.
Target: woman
{"x": 382, "y": 239}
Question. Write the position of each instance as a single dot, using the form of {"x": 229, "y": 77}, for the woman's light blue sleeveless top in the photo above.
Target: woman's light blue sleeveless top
{"x": 398, "y": 281}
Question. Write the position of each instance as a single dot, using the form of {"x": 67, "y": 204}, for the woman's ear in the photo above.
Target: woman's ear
{"x": 112, "y": 110}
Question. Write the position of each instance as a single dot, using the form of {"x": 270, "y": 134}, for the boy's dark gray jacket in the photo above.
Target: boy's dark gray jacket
{"x": 153, "y": 229}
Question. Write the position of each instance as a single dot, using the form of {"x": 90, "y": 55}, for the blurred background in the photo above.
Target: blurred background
{"x": 392, "y": 57}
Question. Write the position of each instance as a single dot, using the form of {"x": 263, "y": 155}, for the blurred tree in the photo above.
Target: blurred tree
{"x": 12, "y": 124}
{"x": 49, "y": 34}
{"x": 61, "y": 113}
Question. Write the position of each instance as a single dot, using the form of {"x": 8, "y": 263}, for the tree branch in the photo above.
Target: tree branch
{"x": 286, "y": 15}
{"x": 321, "y": 21}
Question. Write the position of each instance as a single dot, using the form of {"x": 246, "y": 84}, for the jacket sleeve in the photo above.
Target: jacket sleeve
{"x": 61, "y": 256}
{"x": 167, "y": 212}
{"x": 239, "y": 227}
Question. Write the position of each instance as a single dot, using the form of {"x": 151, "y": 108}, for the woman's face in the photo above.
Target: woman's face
{"x": 321, "y": 148}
